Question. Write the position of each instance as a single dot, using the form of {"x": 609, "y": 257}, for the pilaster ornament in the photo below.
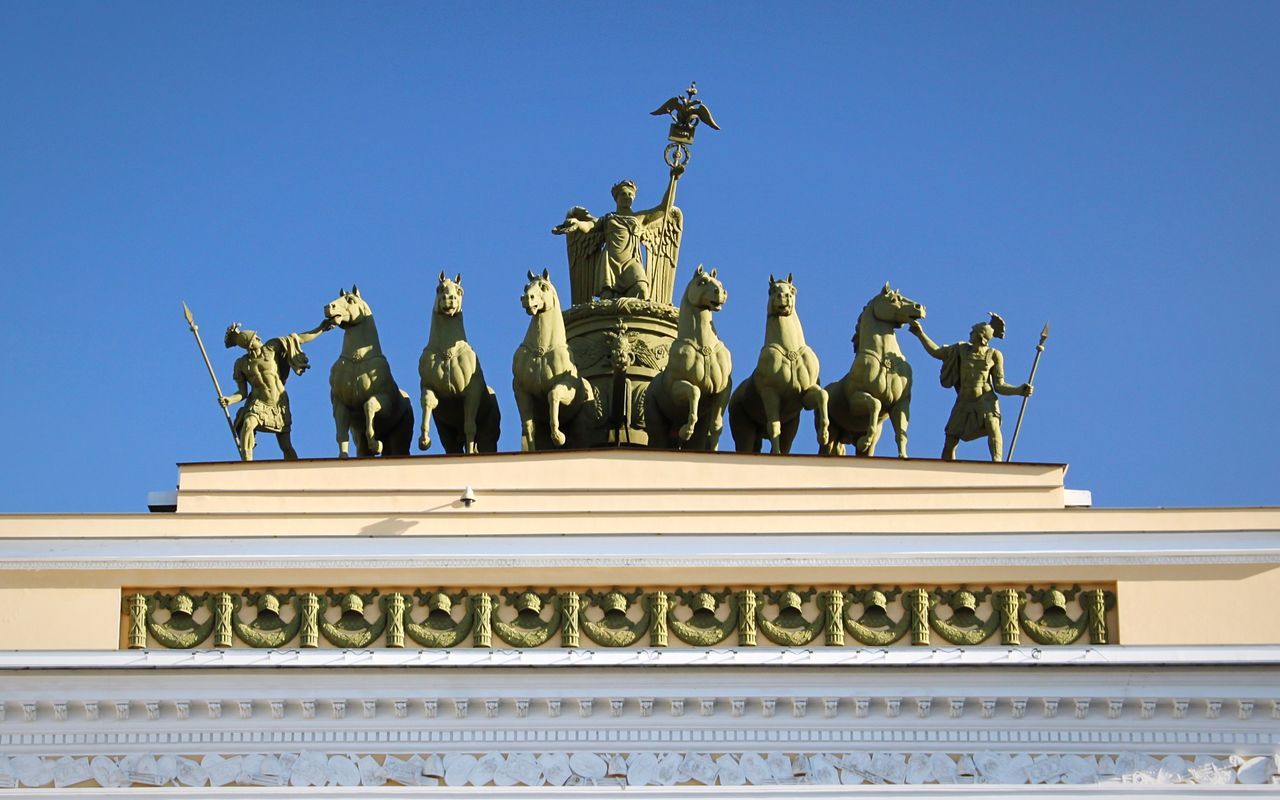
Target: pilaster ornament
{"x": 1082, "y": 707}
{"x": 1212, "y": 709}
{"x": 956, "y": 707}
{"x": 30, "y": 712}
{"x": 308, "y": 709}
{"x": 1050, "y": 707}
{"x": 790, "y": 627}
{"x": 90, "y": 711}
{"x": 122, "y": 710}
{"x": 892, "y": 705}
{"x": 924, "y": 705}
{"x": 1244, "y": 709}
{"x": 180, "y": 630}
{"x": 861, "y": 706}
{"x": 703, "y": 628}
{"x": 677, "y": 706}
{"x": 529, "y": 628}
{"x": 213, "y": 709}
{"x": 616, "y": 618}
{"x": 153, "y": 710}
{"x": 1180, "y": 708}
{"x": 60, "y": 711}
{"x": 1147, "y": 708}
{"x": 659, "y": 605}
{"x": 522, "y": 707}
{"x": 569, "y": 607}
{"x": 988, "y": 707}
{"x": 830, "y": 706}
{"x": 353, "y": 628}
{"x": 646, "y": 706}
{"x": 615, "y": 628}
{"x": 1018, "y": 707}
{"x": 964, "y": 626}
{"x": 440, "y": 628}
{"x": 1115, "y": 707}
{"x": 768, "y": 706}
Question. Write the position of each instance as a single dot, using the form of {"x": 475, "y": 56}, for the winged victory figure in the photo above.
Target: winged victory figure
{"x": 625, "y": 253}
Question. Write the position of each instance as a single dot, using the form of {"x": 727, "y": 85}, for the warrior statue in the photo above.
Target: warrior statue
{"x": 625, "y": 253}
{"x": 260, "y": 375}
{"x": 976, "y": 371}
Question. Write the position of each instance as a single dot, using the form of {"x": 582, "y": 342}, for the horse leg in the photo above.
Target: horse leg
{"x": 863, "y": 403}
{"x": 524, "y": 403}
{"x": 371, "y": 408}
{"x": 685, "y": 392}
{"x": 470, "y": 412}
{"x": 900, "y": 416}
{"x": 772, "y": 405}
{"x": 561, "y": 394}
{"x": 342, "y": 421}
{"x": 716, "y": 426}
{"x": 789, "y": 429}
{"x": 286, "y": 446}
{"x": 429, "y": 403}
{"x": 816, "y": 400}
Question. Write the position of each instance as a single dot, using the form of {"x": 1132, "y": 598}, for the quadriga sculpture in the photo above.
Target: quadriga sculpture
{"x": 367, "y": 404}
{"x": 684, "y": 404}
{"x": 878, "y": 385}
{"x": 767, "y": 404}
{"x": 454, "y": 392}
{"x": 544, "y": 377}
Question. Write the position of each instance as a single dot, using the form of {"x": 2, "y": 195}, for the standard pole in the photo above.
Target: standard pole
{"x": 1044, "y": 334}
{"x": 195, "y": 331}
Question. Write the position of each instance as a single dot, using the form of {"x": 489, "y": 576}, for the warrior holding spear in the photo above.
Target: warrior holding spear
{"x": 260, "y": 375}
{"x": 976, "y": 370}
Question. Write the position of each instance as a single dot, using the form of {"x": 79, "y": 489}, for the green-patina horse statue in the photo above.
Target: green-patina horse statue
{"x": 367, "y": 404}
{"x": 878, "y": 384}
{"x": 454, "y": 392}
{"x": 767, "y": 404}
{"x": 684, "y": 404}
{"x": 548, "y": 390}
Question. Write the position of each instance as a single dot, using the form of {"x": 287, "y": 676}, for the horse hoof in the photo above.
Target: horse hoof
{"x": 424, "y": 443}
{"x": 823, "y": 437}
{"x": 472, "y": 449}
{"x": 344, "y": 454}
{"x": 686, "y": 433}
{"x": 558, "y": 438}
{"x": 375, "y": 447}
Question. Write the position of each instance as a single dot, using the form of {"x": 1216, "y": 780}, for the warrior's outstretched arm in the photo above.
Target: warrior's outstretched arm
{"x": 931, "y": 347}
{"x": 310, "y": 335}
{"x": 997, "y": 379}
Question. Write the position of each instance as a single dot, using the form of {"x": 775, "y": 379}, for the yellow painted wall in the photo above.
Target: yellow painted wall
{"x": 77, "y": 615}
{"x": 1225, "y": 605}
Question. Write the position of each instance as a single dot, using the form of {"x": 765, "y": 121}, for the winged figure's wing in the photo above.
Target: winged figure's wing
{"x": 662, "y": 243}
{"x": 584, "y": 262}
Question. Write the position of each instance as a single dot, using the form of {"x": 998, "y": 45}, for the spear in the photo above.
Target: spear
{"x": 1044, "y": 334}
{"x": 195, "y": 331}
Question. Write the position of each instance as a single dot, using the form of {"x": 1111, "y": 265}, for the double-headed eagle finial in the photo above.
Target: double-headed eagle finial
{"x": 686, "y": 112}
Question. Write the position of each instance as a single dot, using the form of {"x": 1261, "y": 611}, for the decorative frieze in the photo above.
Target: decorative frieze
{"x": 619, "y": 769}
{"x": 525, "y": 619}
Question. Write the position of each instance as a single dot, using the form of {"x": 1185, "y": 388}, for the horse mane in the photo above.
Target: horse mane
{"x": 858, "y": 327}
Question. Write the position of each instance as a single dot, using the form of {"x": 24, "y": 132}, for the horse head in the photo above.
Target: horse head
{"x": 892, "y": 307}
{"x": 539, "y": 295}
{"x": 449, "y": 296}
{"x": 705, "y": 291}
{"x": 349, "y": 309}
{"x": 782, "y": 297}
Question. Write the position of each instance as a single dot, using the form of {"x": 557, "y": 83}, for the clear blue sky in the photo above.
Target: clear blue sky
{"x": 1109, "y": 167}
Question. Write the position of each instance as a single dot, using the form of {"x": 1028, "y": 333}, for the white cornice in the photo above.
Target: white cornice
{"x": 986, "y": 657}
{"x": 852, "y": 550}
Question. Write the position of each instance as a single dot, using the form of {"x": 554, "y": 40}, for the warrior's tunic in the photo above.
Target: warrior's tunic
{"x": 277, "y": 357}
{"x": 968, "y": 419}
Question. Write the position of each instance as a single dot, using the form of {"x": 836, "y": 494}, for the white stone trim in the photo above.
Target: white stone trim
{"x": 940, "y": 657}
{"x": 744, "y": 550}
